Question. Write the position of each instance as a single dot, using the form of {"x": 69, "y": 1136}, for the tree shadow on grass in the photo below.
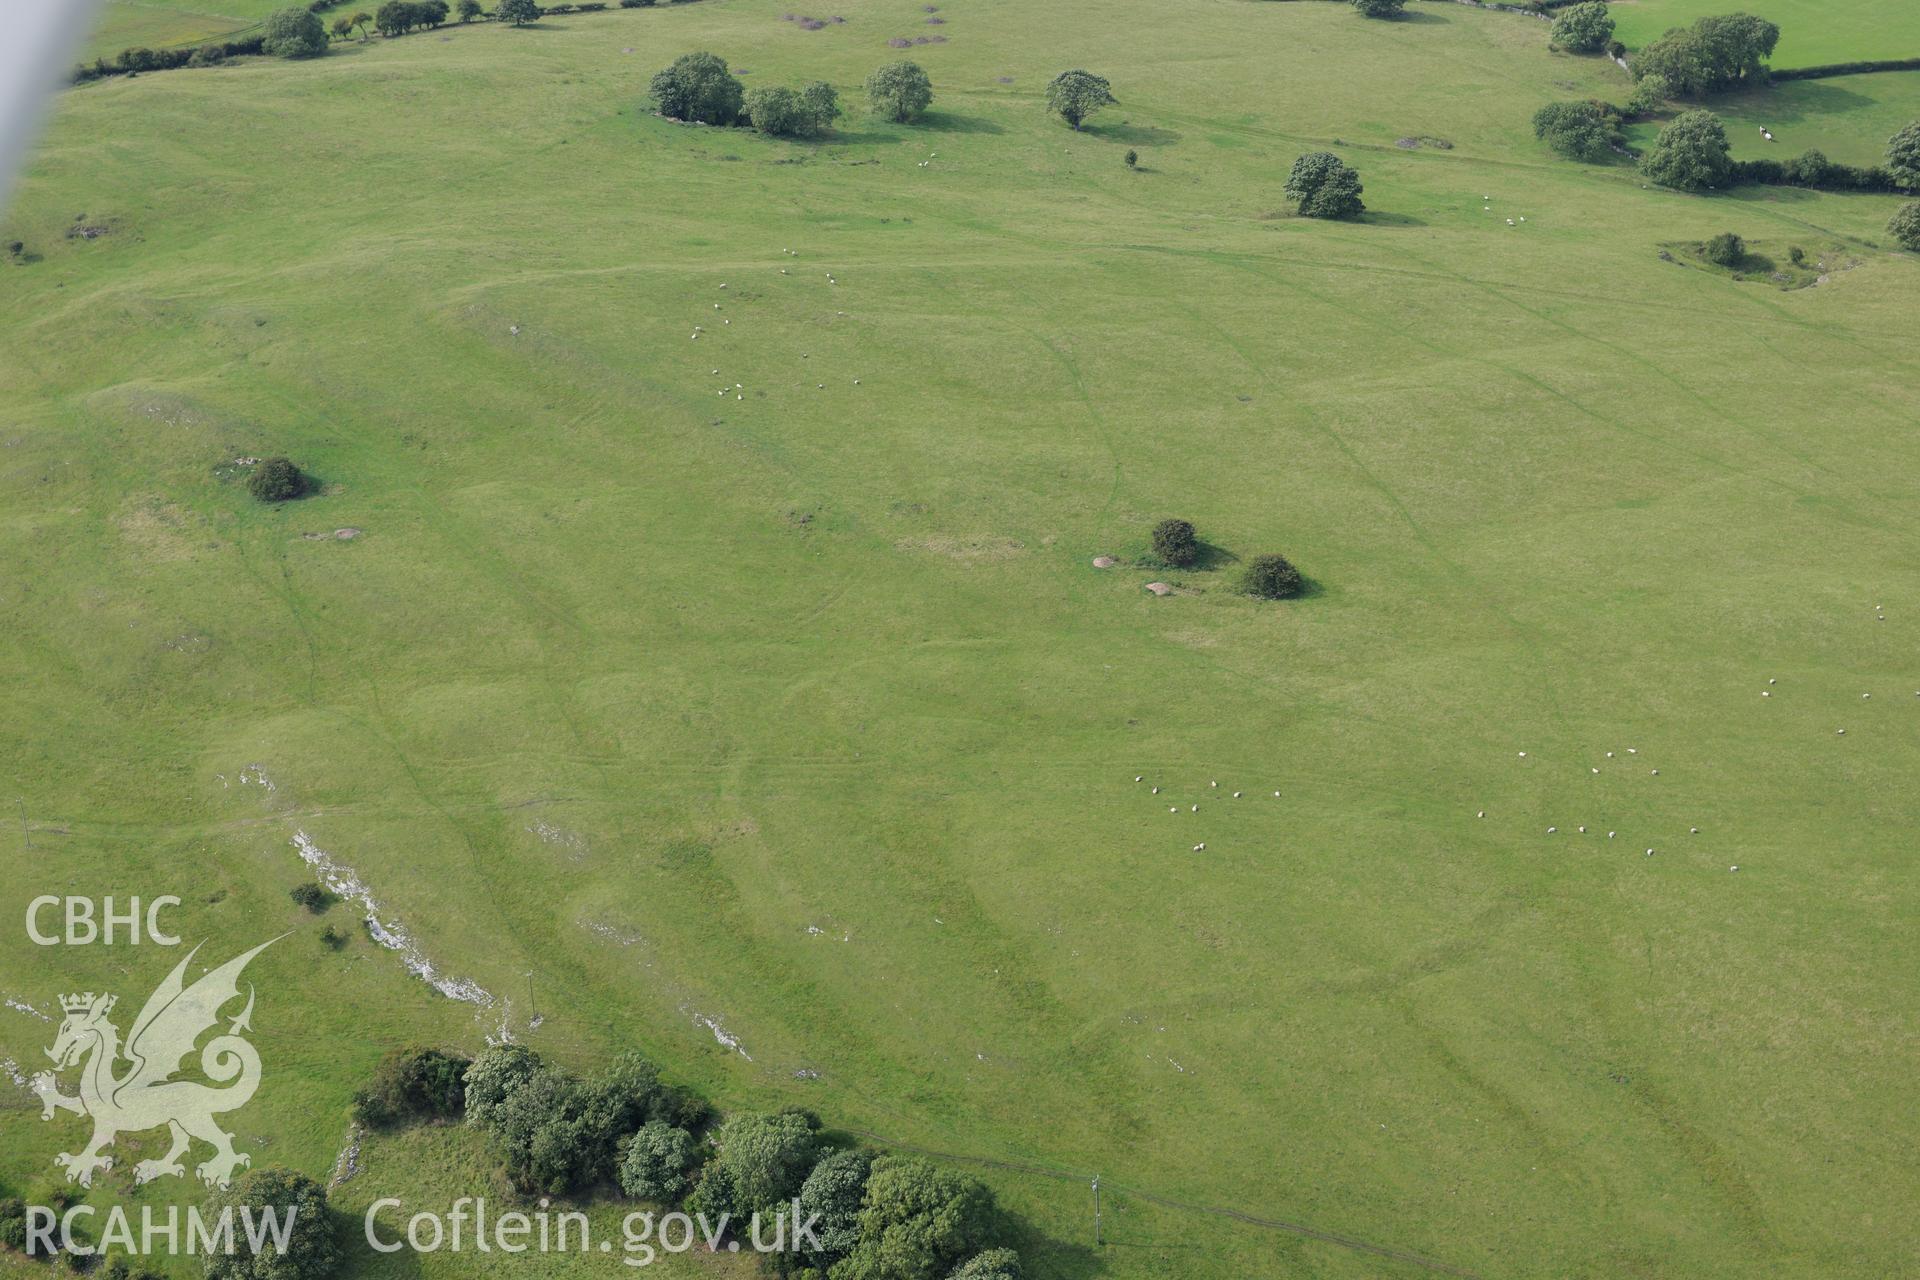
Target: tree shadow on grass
{"x": 1136, "y": 135}
{"x": 1376, "y": 218}
{"x": 1419, "y": 17}
{"x": 948, "y": 122}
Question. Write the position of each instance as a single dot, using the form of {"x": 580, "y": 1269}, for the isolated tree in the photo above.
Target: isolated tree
{"x": 1578, "y": 130}
{"x": 429, "y": 13}
{"x": 1724, "y": 250}
{"x": 300, "y": 1204}
{"x": 1690, "y": 154}
{"x": 1075, "y": 95}
{"x": 654, "y": 1162}
{"x": 517, "y": 12}
{"x": 993, "y": 1264}
{"x": 361, "y": 21}
{"x": 1324, "y": 186}
{"x": 1380, "y": 8}
{"x": 1272, "y": 577}
{"x": 1582, "y": 28}
{"x": 342, "y": 27}
{"x": 1650, "y": 93}
{"x": 293, "y": 33}
{"x": 1904, "y": 225}
{"x": 1175, "y": 543}
{"x": 1903, "y": 155}
{"x": 469, "y": 10}
{"x": 899, "y": 91}
{"x": 918, "y": 1220}
{"x": 698, "y": 87}
{"x": 276, "y": 480}
{"x": 833, "y": 1194}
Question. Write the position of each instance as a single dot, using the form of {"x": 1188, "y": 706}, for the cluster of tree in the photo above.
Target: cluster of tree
{"x": 276, "y": 480}
{"x": 400, "y": 17}
{"x": 879, "y": 1217}
{"x": 1714, "y": 55}
{"x": 412, "y": 1085}
{"x": 293, "y": 33}
{"x": 1588, "y": 130}
{"x": 1075, "y": 95}
{"x": 135, "y": 61}
{"x": 1813, "y": 169}
{"x": 1325, "y": 186}
{"x": 1586, "y": 27}
{"x": 1380, "y": 8}
{"x": 792, "y": 113}
{"x": 1691, "y": 154}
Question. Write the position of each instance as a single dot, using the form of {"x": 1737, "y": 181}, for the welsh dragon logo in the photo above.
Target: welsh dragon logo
{"x": 144, "y": 1095}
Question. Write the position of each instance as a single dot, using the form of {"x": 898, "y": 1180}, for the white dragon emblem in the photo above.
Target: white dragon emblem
{"x": 145, "y": 1096}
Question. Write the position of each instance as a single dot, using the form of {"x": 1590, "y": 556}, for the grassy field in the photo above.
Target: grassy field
{"x": 127, "y": 24}
{"x": 1812, "y": 32}
{"x": 795, "y": 713}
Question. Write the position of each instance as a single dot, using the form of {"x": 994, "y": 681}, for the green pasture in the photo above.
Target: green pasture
{"x": 653, "y": 705}
{"x": 127, "y": 24}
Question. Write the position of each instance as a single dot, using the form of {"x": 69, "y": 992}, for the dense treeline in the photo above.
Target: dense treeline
{"x": 1717, "y": 54}
{"x": 876, "y": 1217}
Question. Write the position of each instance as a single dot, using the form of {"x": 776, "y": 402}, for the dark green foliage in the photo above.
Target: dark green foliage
{"x": 276, "y": 480}
{"x": 1075, "y": 95}
{"x": 1797, "y": 256}
{"x": 1176, "y": 543}
{"x": 1133, "y": 158}
{"x": 767, "y": 1158}
{"x": 13, "y": 1223}
{"x": 311, "y": 896}
{"x": 1380, "y": 8}
{"x": 16, "y": 248}
{"x": 1583, "y": 28}
{"x": 698, "y": 87}
{"x": 411, "y": 1085}
{"x": 714, "y": 1194}
{"x": 557, "y": 1133}
{"x": 1650, "y": 93}
{"x": 787, "y": 113}
{"x": 1272, "y": 578}
{"x": 1904, "y": 226}
{"x": 636, "y": 4}
{"x": 311, "y": 1253}
{"x": 1690, "y": 154}
{"x": 1724, "y": 250}
{"x": 654, "y": 1162}
{"x": 1826, "y": 70}
{"x": 398, "y": 17}
{"x": 516, "y": 12}
{"x": 207, "y": 55}
{"x": 332, "y": 938}
{"x": 1814, "y": 170}
{"x": 917, "y": 1223}
{"x": 1325, "y": 187}
{"x": 679, "y": 1107}
{"x": 994, "y": 1264}
{"x": 833, "y": 1193}
{"x": 899, "y": 91}
{"x": 1715, "y": 55}
{"x": 1579, "y": 130}
{"x": 293, "y": 33}
{"x": 469, "y": 10}
{"x": 1903, "y": 155}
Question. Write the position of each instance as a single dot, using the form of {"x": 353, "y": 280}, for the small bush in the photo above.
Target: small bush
{"x": 311, "y": 896}
{"x": 1272, "y": 578}
{"x": 1380, "y": 8}
{"x": 1797, "y": 256}
{"x": 293, "y": 33}
{"x": 1133, "y": 158}
{"x": 16, "y": 248}
{"x": 1176, "y": 543}
{"x": 1724, "y": 250}
{"x": 209, "y": 55}
{"x": 332, "y": 938}
{"x": 276, "y": 480}
{"x": 1904, "y": 226}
